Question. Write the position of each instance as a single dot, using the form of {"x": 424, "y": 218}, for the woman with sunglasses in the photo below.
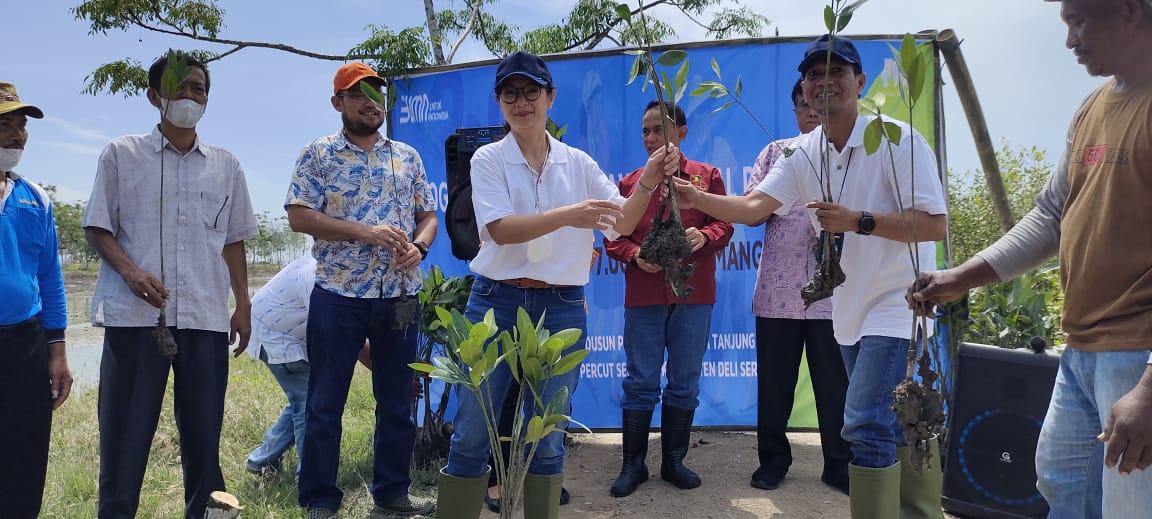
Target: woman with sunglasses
{"x": 538, "y": 203}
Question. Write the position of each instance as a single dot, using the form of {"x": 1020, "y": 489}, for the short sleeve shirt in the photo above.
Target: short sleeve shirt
{"x": 383, "y": 185}
{"x": 204, "y": 205}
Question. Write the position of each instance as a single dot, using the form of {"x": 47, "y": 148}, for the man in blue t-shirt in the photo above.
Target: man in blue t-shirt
{"x": 32, "y": 320}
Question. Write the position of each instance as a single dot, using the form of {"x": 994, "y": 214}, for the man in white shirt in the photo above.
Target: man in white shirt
{"x": 279, "y": 326}
{"x": 873, "y": 203}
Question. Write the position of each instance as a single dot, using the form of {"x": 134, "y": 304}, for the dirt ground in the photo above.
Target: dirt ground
{"x": 725, "y": 462}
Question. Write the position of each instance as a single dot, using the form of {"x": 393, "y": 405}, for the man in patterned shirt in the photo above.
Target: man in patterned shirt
{"x": 367, "y": 202}
{"x": 785, "y": 329}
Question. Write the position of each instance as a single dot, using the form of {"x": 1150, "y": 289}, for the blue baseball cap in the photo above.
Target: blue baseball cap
{"x": 524, "y": 64}
{"x": 840, "y": 47}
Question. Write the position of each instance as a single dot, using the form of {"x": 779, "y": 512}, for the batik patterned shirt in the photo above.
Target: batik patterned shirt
{"x": 384, "y": 185}
{"x": 787, "y": 263}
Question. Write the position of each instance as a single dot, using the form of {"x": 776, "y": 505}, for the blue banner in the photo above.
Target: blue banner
{"x": 602, "y": 115}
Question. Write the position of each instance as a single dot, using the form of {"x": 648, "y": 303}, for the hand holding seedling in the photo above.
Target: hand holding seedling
{"x": 687, "y": 196}
{"x": 835, "y": 218}
{"x": 408, "y": 256}
{"x": 384, "y": 235}
{"x": 662, "y": 163}
{"x": 593, "y": 214}
{"x": 147, "y": 287}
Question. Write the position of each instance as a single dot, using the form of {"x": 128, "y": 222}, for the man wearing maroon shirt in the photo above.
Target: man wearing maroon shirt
{"x": 656, "y": 321}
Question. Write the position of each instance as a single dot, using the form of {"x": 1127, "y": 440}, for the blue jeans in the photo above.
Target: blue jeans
{"x": 562, "y": 308}
{"x": 875, "y": 365}
{"x": 337, "y": 328}
{"x": 1069, "y": 459}
{"x": 682, "y": 330}
{"x": 289, "y": 428}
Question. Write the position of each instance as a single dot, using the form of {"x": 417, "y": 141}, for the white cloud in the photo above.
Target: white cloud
{"x": 77, "y": 130}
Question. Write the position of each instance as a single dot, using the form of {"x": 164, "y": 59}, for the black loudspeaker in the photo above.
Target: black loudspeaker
{"x": 1001, "y": 397}
{"x": 460, "y": 216}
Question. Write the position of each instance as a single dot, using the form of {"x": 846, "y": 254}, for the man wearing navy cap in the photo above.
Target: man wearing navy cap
{"x": 34, "y": 376}
{"x": 879, "y": 223}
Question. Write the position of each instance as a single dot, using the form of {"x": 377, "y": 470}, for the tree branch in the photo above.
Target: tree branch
{"x": 258, "y": 44}
{"x": 465, "y": 31}
{"x": 434, "y": 34}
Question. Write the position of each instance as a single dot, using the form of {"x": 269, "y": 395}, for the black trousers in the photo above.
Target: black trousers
{"x": 25, "y": 418}
{"x": 133, "y": 377}
{"x": 779, "y": 346}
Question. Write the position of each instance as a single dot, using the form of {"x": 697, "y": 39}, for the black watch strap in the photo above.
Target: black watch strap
{"x": 422, "y": 247}
{"x": 867, "y": 223}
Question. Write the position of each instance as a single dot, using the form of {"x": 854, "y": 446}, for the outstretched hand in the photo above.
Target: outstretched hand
{"x": 593, "y": 214}
{"x": 687, "y": 196}
{"x": 932, "y": 289}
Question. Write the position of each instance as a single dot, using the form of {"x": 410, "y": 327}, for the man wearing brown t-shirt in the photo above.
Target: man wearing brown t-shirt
{"x": 1093, "y": 211}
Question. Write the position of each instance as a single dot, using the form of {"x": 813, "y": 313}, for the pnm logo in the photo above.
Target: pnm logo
{"x": 421, "y": 109}
{"x": 1094, "y": 155}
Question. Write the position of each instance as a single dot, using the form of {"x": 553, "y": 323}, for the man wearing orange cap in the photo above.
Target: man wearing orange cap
{"x": 32, "y": 320}
{"x": 367, "y": 202}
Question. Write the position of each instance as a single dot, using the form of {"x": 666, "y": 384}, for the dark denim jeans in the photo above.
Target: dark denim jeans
{"x": 649, "y": 331}
{"x": 337, "y": 328}
{"x": 562, "y": 308}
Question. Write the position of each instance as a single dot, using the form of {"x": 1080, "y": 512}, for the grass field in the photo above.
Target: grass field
{"x": 253, "y": 403}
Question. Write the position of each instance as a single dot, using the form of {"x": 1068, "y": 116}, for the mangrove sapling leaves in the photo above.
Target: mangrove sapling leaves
{"x": 722, "y": 107}
{"x": 527, "y": 333}
{"x": 421, "y": 367}
{"x": 635, "y": 52}
{"x": 568, "y": 336}
{"x": 569, "y": 362}
{"x": 829, "y": 18}
{"x": 892, "y": 131}
{"x": 557, "y": 405}
{"x": 873, "y": 133}
{"x": 681, "y": 81}
{"x": 671, "y": 58}
{"x": 535, "y": 430}
{"x": 739, "y": 86}
{"x": 623, "y": 12}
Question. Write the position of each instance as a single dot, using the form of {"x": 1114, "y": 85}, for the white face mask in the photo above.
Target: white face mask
{"x": 183, "y": 113}
{"x": 9, "y": 158}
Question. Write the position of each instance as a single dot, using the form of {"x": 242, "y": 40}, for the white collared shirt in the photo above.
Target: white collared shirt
{"x": 280, "y": 313}
{"x": 878, "y": 270}
{"x": 503, "y": 185}
{"x": 205, "y": 207}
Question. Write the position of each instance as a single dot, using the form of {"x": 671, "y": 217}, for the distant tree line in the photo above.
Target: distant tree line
{"x": 275, "y": 244}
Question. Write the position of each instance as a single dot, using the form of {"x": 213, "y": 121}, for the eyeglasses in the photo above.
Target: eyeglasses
{"x": 511, "y": 95}
{"x": 355, "y": 95}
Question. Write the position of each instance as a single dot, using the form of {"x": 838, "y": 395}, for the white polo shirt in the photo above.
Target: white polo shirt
{"x": 280, "y": 313}
{"x": 878, "y": 270}
{"x": 503, "y": 185}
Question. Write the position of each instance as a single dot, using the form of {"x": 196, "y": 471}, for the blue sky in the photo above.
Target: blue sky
{"x": 266, "y": 105}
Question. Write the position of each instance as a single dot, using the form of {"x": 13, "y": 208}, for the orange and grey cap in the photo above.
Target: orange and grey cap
{"x": 10, "y": 102}
{"x": 351, "y": 73}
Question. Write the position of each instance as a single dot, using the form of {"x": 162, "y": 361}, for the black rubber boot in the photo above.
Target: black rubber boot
{"x": 633, "y": 471}
{"x": 675, "y": 435}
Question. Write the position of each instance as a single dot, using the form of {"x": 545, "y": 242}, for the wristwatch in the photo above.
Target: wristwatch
{"x": 867, "y": 223}
{"x": 422, "y": 247}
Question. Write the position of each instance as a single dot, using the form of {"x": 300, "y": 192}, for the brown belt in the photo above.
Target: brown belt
{"x": 530, "y": 283}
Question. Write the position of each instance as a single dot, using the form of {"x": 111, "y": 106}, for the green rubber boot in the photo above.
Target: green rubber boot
{"x": 920, "y": 491}
{"x": 460, "y": 498}
{"x": 542, "y": 496}
{"x": 875, "y": 493}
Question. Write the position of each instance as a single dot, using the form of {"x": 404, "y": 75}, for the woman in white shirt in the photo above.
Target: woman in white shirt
{"x": 537, "y": 204}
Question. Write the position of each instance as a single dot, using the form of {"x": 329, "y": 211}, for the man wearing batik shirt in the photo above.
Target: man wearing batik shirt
{"x": 367, "y": 202}
{"x": 785, "y": 329}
